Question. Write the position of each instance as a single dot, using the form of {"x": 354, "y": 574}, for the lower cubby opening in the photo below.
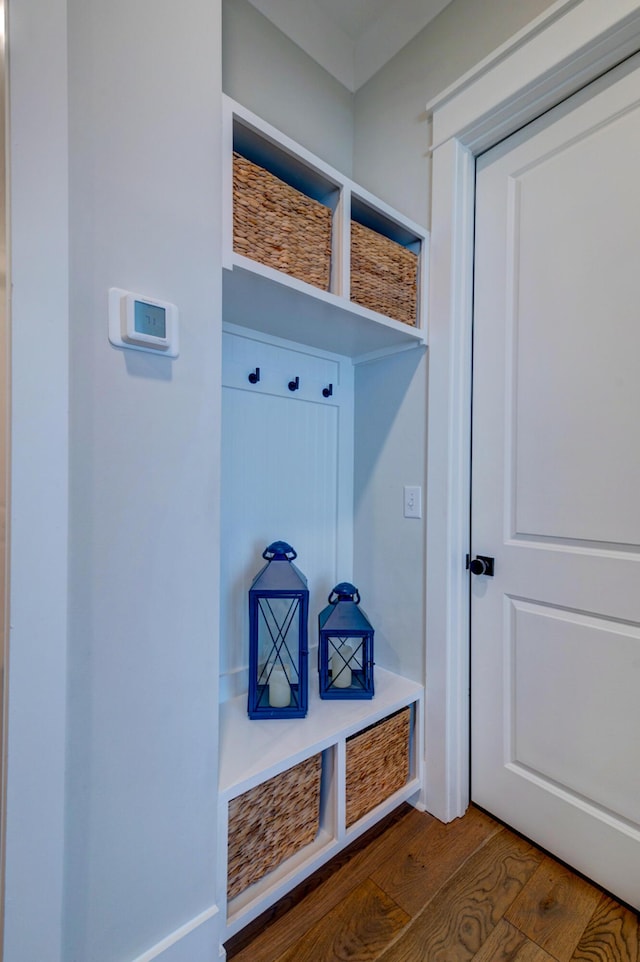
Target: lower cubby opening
{"x": 298, "y": 791}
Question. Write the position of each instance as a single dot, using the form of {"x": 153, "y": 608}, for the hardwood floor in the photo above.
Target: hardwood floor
{"x": 414, "y": 890}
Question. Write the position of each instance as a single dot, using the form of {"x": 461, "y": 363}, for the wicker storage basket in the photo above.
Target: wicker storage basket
{"x": 271, "y": 822}
{"x": 279, "y": 226}
{"x": 384, "y": 274}
{"x": 377, "y": 764}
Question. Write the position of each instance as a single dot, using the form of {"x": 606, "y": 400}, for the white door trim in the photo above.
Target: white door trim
{"x": 564, "y": 49}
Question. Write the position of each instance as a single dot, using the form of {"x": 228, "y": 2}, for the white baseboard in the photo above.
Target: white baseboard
{"x": 162, "y": 947}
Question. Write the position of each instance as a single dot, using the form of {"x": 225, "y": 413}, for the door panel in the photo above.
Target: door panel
{"x": 590, "y": 380}
{"x": 556, "y": 482}
{"x": 579, "y": 647}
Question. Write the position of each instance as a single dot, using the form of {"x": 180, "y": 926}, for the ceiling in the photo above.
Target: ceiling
{"x": 352, "y": 39}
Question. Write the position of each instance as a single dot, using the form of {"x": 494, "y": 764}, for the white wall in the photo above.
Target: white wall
{"x": 38, "y": 518}
{"x": 144, "y": 96}
{"x": 392, "y": 133}
{"x": 389, "y": 555}
{"x": 392, "y": 137}
{"x": 267, "y": 73}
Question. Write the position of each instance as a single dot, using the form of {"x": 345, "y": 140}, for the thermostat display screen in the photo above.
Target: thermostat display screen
{"x": 150, "y": 319}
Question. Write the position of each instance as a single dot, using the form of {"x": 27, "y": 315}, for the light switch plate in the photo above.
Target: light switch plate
{"x": 412, "y": 501}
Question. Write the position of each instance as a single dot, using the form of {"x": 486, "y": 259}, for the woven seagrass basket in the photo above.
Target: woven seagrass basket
{"x": 271, "y": 822}
{"x": 384, "y": 274}
{"x": 377, "y": 764}
{"x": 279, "y": 226}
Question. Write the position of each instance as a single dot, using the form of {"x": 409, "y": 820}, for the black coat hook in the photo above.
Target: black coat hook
{"x": 327, "y": 391}
{"x": 254, "y": 377}
{"x": 294, "y": 385}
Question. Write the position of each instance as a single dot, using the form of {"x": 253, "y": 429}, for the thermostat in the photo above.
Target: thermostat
{"x": 142, "y": 323}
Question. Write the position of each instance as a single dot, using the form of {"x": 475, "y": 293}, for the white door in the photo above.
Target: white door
{"x": 556, "y": 482}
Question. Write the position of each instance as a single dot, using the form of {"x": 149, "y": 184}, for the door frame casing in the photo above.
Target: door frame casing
{"x": 560, "y": 52}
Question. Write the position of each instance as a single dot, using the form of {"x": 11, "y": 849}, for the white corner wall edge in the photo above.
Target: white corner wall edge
{"x": 38, "y": 507}
{"x": 320, "y": 37}
{"x": 396, "y": 25}
{"x": 180, "y": 947}
{"x": 571, "y": 44}
{"x": 351, "y": 59}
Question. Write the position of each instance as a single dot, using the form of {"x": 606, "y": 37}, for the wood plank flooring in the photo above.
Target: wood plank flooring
{"x": 414, "y": 890}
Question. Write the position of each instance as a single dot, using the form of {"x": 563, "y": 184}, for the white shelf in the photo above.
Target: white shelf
{"x": 262, "y": 299}
{"x": 252, "y": 751}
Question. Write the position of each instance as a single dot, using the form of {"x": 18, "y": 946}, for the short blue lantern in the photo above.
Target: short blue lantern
{"x": 278, "y": 643}
{"x": 345, "y": 652}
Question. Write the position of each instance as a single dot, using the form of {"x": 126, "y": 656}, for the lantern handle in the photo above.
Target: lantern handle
{"x": 280, "y": 550}
{"x": 343, "y": 592}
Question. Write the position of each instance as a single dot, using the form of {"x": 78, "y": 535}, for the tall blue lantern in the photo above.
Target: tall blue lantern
{"x": 345, "y": 651}
{"x": 278, "y": 643}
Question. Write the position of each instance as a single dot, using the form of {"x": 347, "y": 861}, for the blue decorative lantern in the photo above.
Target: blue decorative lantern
{"x": 345, "y": 652}
{"x": 278, "y": 644}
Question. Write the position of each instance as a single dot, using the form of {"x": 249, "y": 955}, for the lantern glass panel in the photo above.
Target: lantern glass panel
{"x": 345, "y": 662}
{"x": 278, "y": 652}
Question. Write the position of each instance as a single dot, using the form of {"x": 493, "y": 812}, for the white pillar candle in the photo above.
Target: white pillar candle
{"x": 340, "y": 671}
{"x": 279, "y": 691}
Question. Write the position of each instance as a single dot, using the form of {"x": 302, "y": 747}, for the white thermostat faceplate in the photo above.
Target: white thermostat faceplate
{"x": 142, "y": 323}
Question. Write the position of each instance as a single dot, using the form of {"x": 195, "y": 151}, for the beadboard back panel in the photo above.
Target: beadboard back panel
{"x": 287, "y": 474}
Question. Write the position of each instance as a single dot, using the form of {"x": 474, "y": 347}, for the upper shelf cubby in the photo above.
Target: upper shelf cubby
{"x": 309, "y": 255}
{"x": 305, "y": 177}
